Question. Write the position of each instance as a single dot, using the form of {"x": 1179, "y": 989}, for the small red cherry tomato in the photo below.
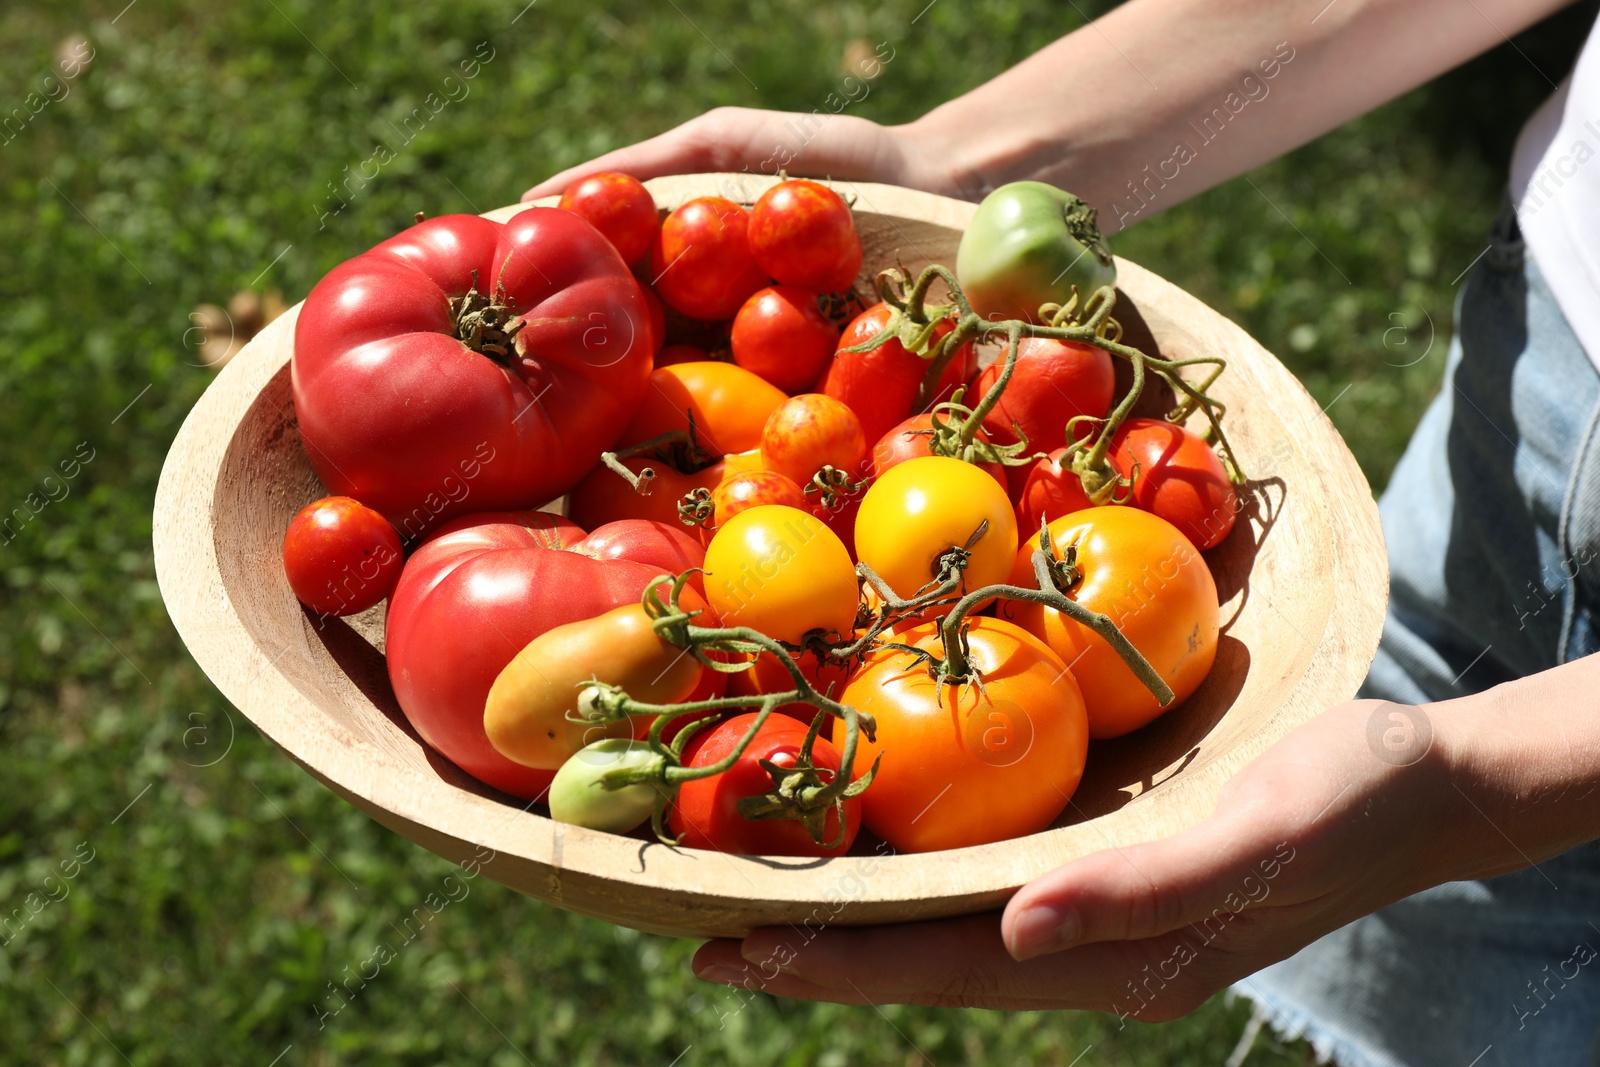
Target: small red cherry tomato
{"x": 1177, "y": 476}
{"x": 706, "y": 816}
{"x": 781, "y": 334}
{"x": 802, "y": 233}
{"x": 702, "y": 263}
{"x": 752, "y": 488}
{"x": 810, "y": 431}
{"x": 1053, "y": 381}
{"x": 1050, "y": 490}
{"x": 907, "y": 441}
{"x": 620, "y": 207}
{"x": 341, "y": 557}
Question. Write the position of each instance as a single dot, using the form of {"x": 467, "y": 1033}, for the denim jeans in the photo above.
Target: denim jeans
{"x": 1493, "y": 526}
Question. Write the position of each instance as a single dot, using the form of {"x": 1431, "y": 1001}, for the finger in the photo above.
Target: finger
{"x": 669, "y": 153}
{"x": 1201, "y": 878}
{"x": 964, "y": 963}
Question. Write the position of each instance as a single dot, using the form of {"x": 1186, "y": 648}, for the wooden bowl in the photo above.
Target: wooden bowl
{"x": 1302, "y": 579}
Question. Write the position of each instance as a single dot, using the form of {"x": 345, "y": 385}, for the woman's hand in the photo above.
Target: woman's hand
{"x": 764, "y": 142}
{"x": 1348, "y": 813}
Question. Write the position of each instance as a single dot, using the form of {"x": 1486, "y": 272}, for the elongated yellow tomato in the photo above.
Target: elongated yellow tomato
{"x": 526, "y": 713}
{"x": 783, "y": 572}
{"x": 1140, "y": 571}
{"x": 922, "y": 508}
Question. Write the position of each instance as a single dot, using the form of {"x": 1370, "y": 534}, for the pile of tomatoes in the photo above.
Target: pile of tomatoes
{"x": 714, "y": 401}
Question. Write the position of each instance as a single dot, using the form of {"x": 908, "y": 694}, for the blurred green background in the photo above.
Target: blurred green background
{"x": 191, "y": 159}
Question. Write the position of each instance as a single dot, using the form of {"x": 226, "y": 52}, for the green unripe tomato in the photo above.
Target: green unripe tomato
{"x": 1030, "y": 244}
{"x": 577, "y": 796}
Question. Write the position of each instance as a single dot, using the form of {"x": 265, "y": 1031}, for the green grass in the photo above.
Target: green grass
{"x": 227, "y": 889}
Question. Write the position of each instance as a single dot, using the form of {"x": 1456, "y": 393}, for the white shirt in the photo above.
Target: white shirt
{"x": 1555, "y": 184}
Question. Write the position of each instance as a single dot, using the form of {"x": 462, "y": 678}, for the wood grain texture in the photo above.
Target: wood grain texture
{"x": 1303, "y": 579}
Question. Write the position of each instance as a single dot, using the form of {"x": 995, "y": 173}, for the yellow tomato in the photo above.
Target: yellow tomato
{"x": 920, "y": 509}
{"x": 783, "y": 572}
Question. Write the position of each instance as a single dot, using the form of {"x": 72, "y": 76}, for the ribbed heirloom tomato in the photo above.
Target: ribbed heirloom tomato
{"x": 418, "y": 402}
{"x": 469, "y": 599}
{"x": 1139, "y": 570}
{"x": 963, "y": 764}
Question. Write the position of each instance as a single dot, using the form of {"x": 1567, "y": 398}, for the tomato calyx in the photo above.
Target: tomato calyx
{"x": 679, "y": 449}
{"x": 487, "y": 325}
{"x": 805, "y": 792}
{"x": 832, "y": 483}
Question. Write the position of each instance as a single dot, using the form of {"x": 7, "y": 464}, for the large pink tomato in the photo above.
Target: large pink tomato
{"x": 424, "y": 405}
{"x": 469, "y": 599}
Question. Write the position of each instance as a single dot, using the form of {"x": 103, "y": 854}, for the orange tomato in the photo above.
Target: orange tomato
{"x": 1153, "y": 583}
{"x": 730, "y": 406}
{"x": 962, "y": 764}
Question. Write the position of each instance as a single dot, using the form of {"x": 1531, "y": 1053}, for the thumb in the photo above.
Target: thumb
{"x": 1209, "y": 872}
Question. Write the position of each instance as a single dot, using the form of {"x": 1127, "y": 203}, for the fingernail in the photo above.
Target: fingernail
{"x": 1044, "y": 928}
{"x": 723, "y": 974}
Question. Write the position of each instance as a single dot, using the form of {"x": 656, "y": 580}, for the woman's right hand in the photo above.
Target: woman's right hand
{"x": 763, "y": 142}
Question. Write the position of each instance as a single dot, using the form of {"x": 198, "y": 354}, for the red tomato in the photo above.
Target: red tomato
{"x": 1177, "y": 476}
{"x": 1053, "y": 381}
{"x": 730, "y": 406}
{"x": 669, "y": 546}
{"x": 341, "y": 557}
{"x": 904, "y": 442}
{"x": 467, "y": 602}
{"x": 1049, "y": 489}
{"x": 752, "y": 488}
{"x": 620, "y": 207}
{"x": 706, "y": 816}
{"x": 963, "y": 764}
{"x": 809, "y": 432}
{"x": 671, "y": 354}
{"x": 881, "y": 386}
{"x": 702, "y": 263}
{"x": 397, "y": 411}
{"x": 546, "y": 528}
{"x": 782, "y": 335}
{"x": 658, "y": 317}
{"x": 606, "y": 497}
{"x": 802, "y": 233}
